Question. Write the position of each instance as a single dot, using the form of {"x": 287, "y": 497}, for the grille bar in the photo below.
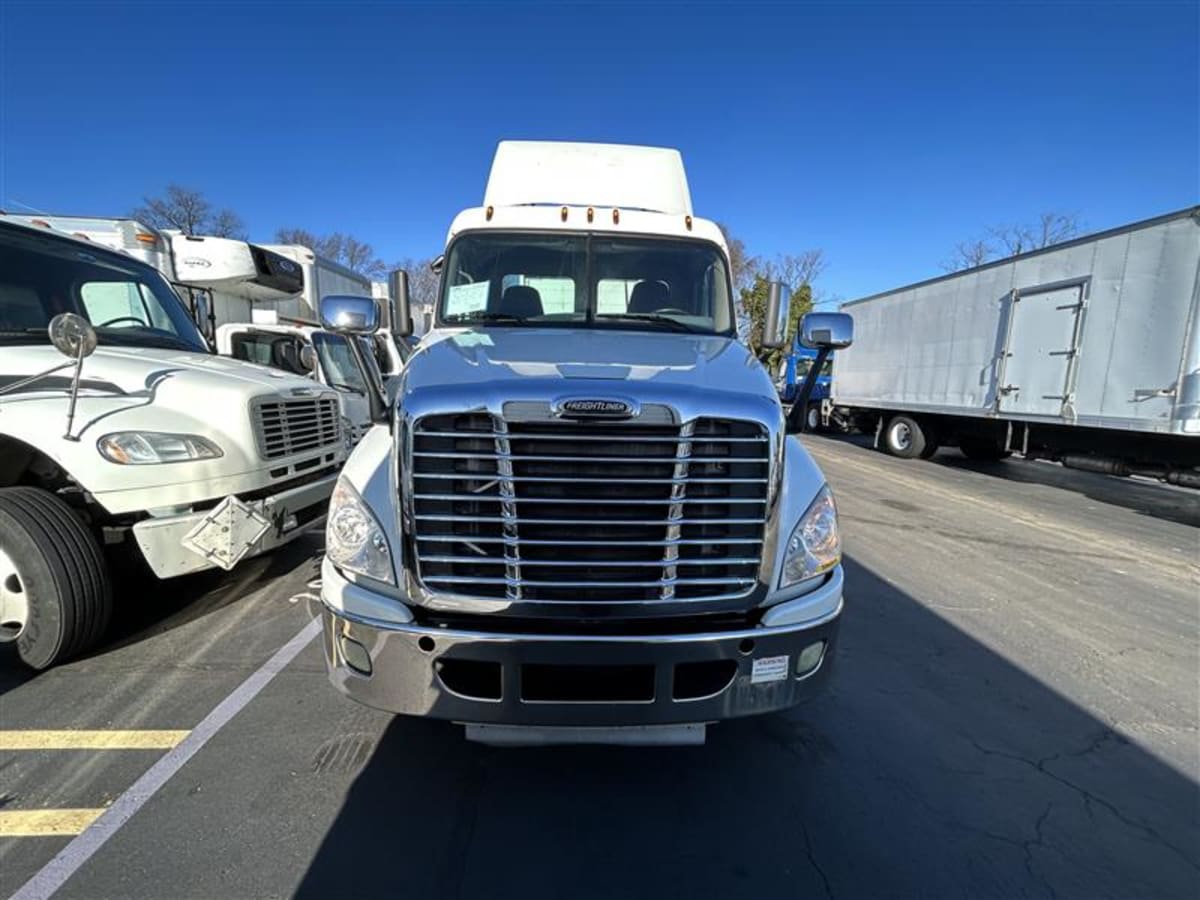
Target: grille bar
{"x": 611, "y": 511}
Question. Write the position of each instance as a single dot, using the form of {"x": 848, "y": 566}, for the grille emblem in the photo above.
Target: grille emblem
{"x": 595, "y": 408}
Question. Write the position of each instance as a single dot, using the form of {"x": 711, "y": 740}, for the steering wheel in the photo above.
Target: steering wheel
{"x": 121, "y": 319}
{"x": 672, "y": 309}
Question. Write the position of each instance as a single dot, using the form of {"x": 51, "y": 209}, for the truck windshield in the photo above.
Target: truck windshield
{"x": 337, "y": 362}
{"x": 586, "y": 280}
{"x": 128, "y": 303}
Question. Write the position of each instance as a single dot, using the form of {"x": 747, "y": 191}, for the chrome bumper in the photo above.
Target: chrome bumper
{"x": 161, "y": 539}
{"x": 527, "y": 679}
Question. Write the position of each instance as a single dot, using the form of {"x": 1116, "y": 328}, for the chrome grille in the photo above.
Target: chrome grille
{"x": 283, "y": 426}
{"x": 597, "y": 511}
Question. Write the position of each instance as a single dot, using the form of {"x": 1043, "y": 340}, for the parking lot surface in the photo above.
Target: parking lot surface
{"x": 1014, "y": 714}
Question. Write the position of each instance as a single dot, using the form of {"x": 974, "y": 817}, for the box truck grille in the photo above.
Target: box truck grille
{"x": 588, "y": 511}
{"x": 283, "y": 427}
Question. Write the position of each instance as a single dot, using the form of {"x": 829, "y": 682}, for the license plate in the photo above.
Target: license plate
{"x": 227, "y": 533}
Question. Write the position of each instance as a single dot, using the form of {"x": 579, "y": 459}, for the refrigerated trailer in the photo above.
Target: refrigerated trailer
{"x": 1087, "y": 352}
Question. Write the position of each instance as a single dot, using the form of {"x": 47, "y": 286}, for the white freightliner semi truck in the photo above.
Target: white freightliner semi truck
{"x": 584, "y": 521}
{"x": 121, "y": 431}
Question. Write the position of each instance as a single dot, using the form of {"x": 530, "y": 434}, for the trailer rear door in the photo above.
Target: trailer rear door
{"x": 1043, "y": 337}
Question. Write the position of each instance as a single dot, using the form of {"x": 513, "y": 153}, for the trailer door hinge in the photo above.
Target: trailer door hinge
{"x": 1061, "y": 353}
{"x": 1009, "y": 388}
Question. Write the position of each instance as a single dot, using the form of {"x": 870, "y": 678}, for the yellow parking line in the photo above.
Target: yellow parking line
{"x": 90, "y": 740}
{"x": 45, "y": 822}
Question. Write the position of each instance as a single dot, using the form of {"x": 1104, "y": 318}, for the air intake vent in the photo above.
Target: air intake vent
{"x": 283, "y": 427}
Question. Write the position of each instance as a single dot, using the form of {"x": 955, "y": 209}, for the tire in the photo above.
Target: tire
{"x": 983, "y": 449}
{"x": 812, "y": 418}
{"x": 55, "y": 591}
{"x": 904, "y": 437}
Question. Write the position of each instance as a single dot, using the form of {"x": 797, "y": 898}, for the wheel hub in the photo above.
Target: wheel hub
{"x": 14, "y": 603}
{"x": 901, "y": 436}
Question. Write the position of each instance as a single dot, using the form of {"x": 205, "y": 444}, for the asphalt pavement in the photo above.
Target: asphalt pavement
{"x": 1014, "y": 714}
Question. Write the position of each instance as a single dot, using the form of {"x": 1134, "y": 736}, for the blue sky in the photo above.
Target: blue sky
{"x": 881, "y": 132}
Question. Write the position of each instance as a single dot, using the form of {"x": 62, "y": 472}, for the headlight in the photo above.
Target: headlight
{"x": 353, "y": 538}
{"x": 145, "y": 448}
{"x": 815, "y": 546}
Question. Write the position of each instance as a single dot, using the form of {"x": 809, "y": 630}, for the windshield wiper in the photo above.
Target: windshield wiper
{"x": 653, "y": 318}
{"x": 347, "y": 387}
{"x": 484, "y": 316}
{"x": 24, "y": 333}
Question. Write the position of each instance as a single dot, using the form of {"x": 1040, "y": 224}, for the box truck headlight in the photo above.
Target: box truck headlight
{"x": 815, "y": 546}
{"x": 353, "y": 539}
{"x": 143, "y": 448}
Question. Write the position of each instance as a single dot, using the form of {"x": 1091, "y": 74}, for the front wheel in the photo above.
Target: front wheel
{"x": 812, "y": 418}
{"x": 905, "y": 437}
{"x": 55, "y": 595}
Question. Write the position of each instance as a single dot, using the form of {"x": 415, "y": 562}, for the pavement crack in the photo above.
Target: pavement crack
{"x": 1088, "y": 797}
{"x": 812, "y": 861}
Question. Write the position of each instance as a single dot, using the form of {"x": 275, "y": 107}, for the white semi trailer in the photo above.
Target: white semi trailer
{"x": 1087, "y": 352}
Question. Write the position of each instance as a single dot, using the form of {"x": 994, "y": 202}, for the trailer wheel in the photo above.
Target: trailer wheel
{"x": 983, "y": 449}
{"x": 55, "y": 594}
{"x": 812, "y": 418}
{"x": 904, "y": 437}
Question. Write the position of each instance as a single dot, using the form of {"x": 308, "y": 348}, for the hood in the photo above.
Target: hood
{"x": 549, "y": 363}
{"x": 133, "y": 370}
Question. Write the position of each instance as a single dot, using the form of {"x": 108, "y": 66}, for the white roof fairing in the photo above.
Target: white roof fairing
{"x": 526, "y": 173}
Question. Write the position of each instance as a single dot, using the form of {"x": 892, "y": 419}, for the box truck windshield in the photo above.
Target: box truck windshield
{"x": 127, "y": 305}
{"x": 583, "y": 279}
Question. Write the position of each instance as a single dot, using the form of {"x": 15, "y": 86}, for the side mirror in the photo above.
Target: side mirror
{"x": 776, "y": 321}
{"x": 833, "y": 330}
{"x": 401, "y": 312}
{"x": 308, "y": 358}
{"x": 344, "y": 314}
{"x": 72, "y": 335}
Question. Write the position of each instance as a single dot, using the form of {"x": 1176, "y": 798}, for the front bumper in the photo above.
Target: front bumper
{"x": 560, "y": 679}
{"x": 161, "y": 539}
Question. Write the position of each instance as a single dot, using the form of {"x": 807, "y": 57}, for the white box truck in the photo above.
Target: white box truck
{"x": 1087, "y": 352}
{"x": 138, "y": 438}
{"x": 584, "y": 521}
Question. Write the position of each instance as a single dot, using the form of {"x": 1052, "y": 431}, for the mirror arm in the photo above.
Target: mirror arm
{"x": 74, "y": 392}
{"x": 376, "y": 402}
{"x": 797, "y": 421}
{"x": 17, "y": 385}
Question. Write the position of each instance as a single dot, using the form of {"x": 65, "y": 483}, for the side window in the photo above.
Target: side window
{"x": 612, "y": 295}
{"x": 109, "y": 301}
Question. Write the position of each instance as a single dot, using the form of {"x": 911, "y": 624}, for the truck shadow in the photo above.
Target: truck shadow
{"x": 933, "y": 767}
{"x": 1149, "y": 498}
{"x": 145, "y": 607}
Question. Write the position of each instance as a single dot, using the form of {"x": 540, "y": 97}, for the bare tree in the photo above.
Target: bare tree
{"x": 350, "y": 252}
{"x": 968, "y": 254}
{"x": 797, "y": 269}
{"x": 422, "y": 280}
{"x": 190, "y": 212}
{"x": 1009, "y": 240}
{"x": 742, "y": 265}
{"x": 227, "y": 224}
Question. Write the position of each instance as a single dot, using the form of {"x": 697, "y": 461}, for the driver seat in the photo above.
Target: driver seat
{"x": 648, "y": 296}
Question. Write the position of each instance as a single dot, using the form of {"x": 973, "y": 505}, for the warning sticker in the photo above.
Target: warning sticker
{"x": 769, "y": 668}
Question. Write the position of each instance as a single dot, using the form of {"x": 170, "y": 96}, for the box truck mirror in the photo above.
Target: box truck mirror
{"x": 401, "y": 311}
{"x": 344, "y": 314}
{"x": 308, "y": 358}
{"x": 775, "y": 324}
{"x": 824, "y": 329}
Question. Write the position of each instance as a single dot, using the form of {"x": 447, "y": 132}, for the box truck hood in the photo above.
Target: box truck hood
{"x": 133, "y": 370}
{"x": 549, "y": 363}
